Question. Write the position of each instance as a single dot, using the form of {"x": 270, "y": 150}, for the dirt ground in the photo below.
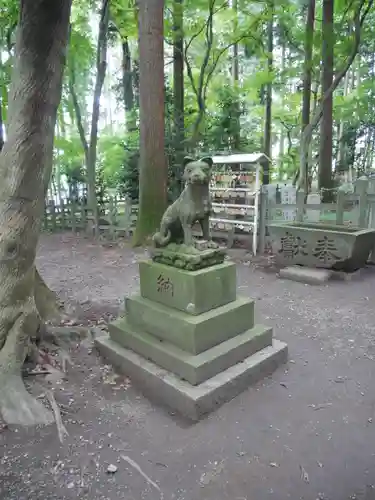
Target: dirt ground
{"x": 307, "y": 432}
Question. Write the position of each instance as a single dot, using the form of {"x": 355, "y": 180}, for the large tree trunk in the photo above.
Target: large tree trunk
{"x": 178, "y": 90}
{"x": 325, "y": 155}
{"x": 153, "y": 164}
{"x": 46, "y": 300}
{"x": 34, "y": 99}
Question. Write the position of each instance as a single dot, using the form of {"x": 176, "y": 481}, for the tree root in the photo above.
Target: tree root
{"x": 61, "y": 429}
{"x": 23, "y": 324}
{"x": 18, "y": 407}
{"x": 47, "y": 301}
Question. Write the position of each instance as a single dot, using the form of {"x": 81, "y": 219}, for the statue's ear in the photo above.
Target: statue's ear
{"x": 208, "y": 160}
{"x": 187, "y": 160}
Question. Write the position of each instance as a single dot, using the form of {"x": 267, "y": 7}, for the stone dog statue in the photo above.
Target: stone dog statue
{"x": 193, "y": 205}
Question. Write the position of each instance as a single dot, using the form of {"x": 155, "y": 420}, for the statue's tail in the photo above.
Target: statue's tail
{"x": 160, "y": 240}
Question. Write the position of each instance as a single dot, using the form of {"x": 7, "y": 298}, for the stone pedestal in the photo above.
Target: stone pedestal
{"x": 188, "y": 341}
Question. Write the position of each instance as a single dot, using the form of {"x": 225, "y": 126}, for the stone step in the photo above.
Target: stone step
{"x": 307, "y": 275}
{"x": 193, "y": 368}
{"x": 191, "y": 401}
{"x": 194, "y": 334}
{"x": 193, "y": 292}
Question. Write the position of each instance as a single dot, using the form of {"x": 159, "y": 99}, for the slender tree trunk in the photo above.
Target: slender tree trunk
{"x": 135, "y": 75}
{"x": 78, "y": 115}
{"x": 341, "y": 159}
{"x": 178, "y": 89}
{"x": 268, "y": 118}
{"x": 307, "y": 78}
{"x": 34, "y": 99}
{"x": 108, "y": 110}
{"x": 1, "y": 119}
{"x": 1, "y": 126}
{"x": 90, "y": 146}
{"x": 370, "y": 156}
{"x": 1, "y": 122}
{"x": 281, "y": 153}
{"x": 101, "y": 67}
{"x": 127, "y": 83}
{"x": 58, "y": 168}
{"x": 312, "y": 144}
{"x": 282, "y": 132}
{"x": 360, "y": 16}
{"x": 200, "y": 87}
{"x": 236, "y": 76}
{"x": 153, "y": 164}
{"x": 325, "y": 156}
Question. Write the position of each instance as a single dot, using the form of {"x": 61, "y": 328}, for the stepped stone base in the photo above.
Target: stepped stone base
{"x": 188, "y": 341}
{"x": 192, "y": 368}
{"x": 193, "y": 334}
{"x": 192, "y": 401}
{"x": 194, "y": 292}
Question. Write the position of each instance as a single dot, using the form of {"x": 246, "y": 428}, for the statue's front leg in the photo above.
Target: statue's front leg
{"x": 188, "y": 232}
{"x": 206, "y": 233}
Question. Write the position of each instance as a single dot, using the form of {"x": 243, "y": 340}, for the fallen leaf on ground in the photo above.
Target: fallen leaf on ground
{"x": 61, "y": 430}
{"x": 208, "y": 476}
{"x": 320, "y": 407}
{"x": 65, "y": 359}
{"x": 304, "y": 475}
{"x": 137, "y": 467}
{"x": 110, "y": 379}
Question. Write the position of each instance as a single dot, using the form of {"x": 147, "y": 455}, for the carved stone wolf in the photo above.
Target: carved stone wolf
{"x": 193, "y": 205}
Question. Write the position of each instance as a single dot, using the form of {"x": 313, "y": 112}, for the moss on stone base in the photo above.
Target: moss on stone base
{"x": 189, "y": 258}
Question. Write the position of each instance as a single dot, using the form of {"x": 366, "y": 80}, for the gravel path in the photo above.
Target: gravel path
{"x": 305, "y": 433}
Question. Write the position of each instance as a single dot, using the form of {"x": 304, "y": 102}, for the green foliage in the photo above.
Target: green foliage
{"x": 225, "y": 124}
{"x": 128, "y": 175}
{"x": 111, "y": 157}
{"x": 100, "y": 190}
{"x": 220, "y": 114}
{"x": 70, "y": 158}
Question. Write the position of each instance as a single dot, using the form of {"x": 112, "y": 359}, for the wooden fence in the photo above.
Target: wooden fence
{"x": 119, "y": 216}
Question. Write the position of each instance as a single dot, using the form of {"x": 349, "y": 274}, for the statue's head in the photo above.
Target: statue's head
{"x": 197, "y": 171}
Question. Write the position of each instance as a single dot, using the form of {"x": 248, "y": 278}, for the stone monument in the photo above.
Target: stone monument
{"x": 187, "y": 340}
